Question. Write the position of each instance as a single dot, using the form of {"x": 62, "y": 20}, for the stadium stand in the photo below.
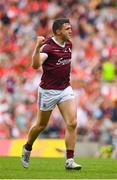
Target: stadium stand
{"x": 94, "y": 66}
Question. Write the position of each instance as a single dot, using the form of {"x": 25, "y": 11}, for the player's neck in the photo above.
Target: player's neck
{"x": 59, "y": 40}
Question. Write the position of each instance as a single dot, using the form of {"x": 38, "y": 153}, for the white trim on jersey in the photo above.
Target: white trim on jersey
{"x": 44, "y": 56}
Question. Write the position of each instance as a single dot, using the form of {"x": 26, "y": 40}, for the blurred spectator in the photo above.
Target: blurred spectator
{"x": 108, "y": 71}
{"x": 114, "y": 112}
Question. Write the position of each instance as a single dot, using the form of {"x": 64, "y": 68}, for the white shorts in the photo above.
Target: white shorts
{"x": 48, "y": 99}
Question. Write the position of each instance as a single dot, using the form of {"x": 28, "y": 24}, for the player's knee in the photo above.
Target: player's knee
{"x": 72, "y": 124}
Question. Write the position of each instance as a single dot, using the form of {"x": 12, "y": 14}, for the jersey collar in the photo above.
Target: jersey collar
{"x": 58, "y": 43}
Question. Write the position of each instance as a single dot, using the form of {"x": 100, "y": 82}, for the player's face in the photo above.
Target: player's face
{"x": 66, "y": 32}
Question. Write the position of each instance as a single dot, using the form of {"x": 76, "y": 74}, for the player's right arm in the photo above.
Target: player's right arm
{"x": 37, "y": 57}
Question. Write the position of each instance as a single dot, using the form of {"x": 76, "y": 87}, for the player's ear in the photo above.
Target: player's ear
{"x": 58, "y": 31}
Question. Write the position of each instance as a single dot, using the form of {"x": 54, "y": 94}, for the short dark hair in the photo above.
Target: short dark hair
{"x": 57, "y": 24}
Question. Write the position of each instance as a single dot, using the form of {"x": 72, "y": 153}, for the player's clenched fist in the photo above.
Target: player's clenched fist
{"x": 40, "y": 41}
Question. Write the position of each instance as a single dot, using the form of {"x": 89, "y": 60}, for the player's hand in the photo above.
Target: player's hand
{"x": 40, "y": 41}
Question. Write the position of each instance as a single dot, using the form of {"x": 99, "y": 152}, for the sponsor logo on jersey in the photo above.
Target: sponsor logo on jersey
{"x": 63, "y": 61}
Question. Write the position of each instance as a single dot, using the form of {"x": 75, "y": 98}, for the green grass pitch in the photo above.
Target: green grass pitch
{"x": 53, "y": 168}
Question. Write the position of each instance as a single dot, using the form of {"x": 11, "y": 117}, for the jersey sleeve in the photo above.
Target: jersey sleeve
{"x": 45, "y": 49}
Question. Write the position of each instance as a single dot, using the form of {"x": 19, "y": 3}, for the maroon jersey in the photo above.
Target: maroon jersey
{"x": 56, "y": 68}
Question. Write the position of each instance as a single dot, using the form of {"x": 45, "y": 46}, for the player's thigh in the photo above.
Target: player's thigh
{"x": 43, "y": 117}
{"x": 68, "y": 110}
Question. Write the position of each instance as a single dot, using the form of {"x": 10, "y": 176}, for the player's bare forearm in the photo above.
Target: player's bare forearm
{"x": 36, "y": 60}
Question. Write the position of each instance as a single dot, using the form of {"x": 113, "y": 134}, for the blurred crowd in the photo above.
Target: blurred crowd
{"x": 94, "y": 66}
